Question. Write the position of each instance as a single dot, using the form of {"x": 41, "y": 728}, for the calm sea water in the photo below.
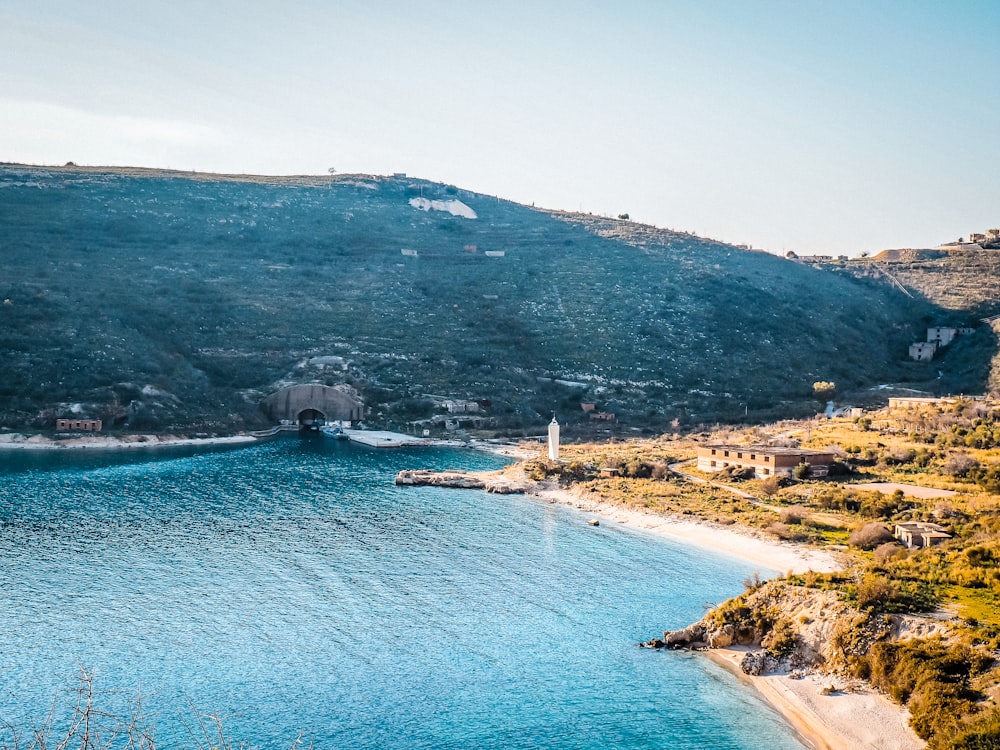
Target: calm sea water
{"x": 292, "y": 587}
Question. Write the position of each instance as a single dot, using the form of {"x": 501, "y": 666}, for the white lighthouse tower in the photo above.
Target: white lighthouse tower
{"x": 553, "y": 439}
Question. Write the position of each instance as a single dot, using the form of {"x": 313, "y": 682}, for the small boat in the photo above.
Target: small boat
{"x": 337, "y": 433}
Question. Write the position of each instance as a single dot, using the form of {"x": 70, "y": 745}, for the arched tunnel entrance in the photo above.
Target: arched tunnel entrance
{"x": 311, "y": 419}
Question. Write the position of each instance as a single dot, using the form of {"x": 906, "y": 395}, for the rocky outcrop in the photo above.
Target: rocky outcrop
{"x": 462, "y": 480}
{"x": 786, "y": 627}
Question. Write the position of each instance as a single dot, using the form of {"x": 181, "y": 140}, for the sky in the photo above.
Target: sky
{"x": 835, "y": 127}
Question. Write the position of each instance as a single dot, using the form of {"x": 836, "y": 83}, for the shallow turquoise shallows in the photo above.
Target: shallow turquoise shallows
{"x": 291, "y": 587}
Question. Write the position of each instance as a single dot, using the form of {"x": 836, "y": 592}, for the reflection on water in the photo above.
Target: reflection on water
{"x": 292, "y": 584}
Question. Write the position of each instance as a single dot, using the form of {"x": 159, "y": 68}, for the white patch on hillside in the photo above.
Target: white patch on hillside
{"x": 454, "y": 207}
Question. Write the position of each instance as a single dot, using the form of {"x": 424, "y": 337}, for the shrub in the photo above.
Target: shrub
{"x": 840, "y": 469}
{"x": 875, "y": 591}
{"x": 887, "y": 551}
{"x": 660, "y": 471}
{"x": 960, "y": 465}
{"x": 786, "y": 532}
{"x": 781, "y": 640}
{"x": 802, "y": 471}
{"x": 877, "y": 505}
{"x": 770, "y": 486}
{"x": 933, "y": 680}
{"x": 638, "y": 469}
{"x": 738, "y": 473}
{"x": 900, "y": 457}
{"x": 870, "y": 536}
{"x": 980, "y": 733}
{"x": 793, "y": 514}
{"x": 824, "y": 389}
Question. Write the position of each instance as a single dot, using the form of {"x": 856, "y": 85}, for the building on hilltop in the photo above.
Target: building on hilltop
{"x": 920, "y": 534}
{"x": 765, "y": 460}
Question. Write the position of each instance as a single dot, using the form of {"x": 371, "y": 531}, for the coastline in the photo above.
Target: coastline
{"x": 17, "y": 441}
{"x": 783, "y": 557}
{"x": 845, "y": 719}
{"x": 20, "y": 441}
{"x": 842, "y": 719}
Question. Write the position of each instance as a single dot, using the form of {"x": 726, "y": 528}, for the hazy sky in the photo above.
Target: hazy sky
{"x": 818, "y": 127}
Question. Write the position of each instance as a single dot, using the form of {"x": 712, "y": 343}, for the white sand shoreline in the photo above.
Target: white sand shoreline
{"x": 782, "y": 557}
{"x": 844, "y": 720}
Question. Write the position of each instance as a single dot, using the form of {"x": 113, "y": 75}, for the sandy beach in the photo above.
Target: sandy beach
{"x": 781, "y": 557}
{"x": 849, "y": 718}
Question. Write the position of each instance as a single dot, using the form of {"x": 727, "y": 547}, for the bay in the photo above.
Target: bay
{"x": 291, "y": 588}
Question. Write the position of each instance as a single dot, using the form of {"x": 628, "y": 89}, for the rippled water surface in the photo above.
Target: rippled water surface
{"x": 291, "y": 586}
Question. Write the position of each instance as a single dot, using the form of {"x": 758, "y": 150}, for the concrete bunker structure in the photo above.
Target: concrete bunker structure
{"x": 313, "y": 405}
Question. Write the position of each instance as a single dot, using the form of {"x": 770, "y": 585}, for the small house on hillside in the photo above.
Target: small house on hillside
{"x": 765, "y": 461}
{"x": 943, "y": 335}
{"x": 461, "y": 407}
{"x": 920, "y": 534}
{"x": 915, "y": 402}
{"x": 83, "y": 425}
{"x": 923, "y": 351}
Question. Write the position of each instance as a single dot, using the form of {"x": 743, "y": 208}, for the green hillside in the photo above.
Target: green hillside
{"x": 174, "y": 301}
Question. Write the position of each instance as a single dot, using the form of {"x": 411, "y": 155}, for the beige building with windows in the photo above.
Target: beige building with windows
{"x": 765, "y": 460}
{"x": 87, "y": 425}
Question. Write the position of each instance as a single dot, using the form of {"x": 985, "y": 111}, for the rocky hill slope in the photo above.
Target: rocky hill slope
{"x": 160, "y": 301}
{"x": 961, "y": 281}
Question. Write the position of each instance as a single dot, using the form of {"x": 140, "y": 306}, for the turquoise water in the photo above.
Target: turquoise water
{"x": 292, "y": 587}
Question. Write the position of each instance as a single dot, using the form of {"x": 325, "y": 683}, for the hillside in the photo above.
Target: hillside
{"x": 174, "y": 301}
{"x": 959, "y": 280}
